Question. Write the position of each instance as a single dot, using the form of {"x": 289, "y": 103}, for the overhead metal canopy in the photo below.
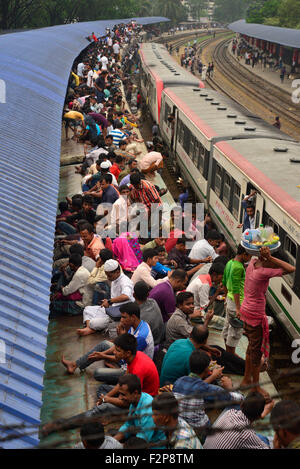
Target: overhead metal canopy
{"x": 283, "y": 36}
{"x": 34, "y": 71}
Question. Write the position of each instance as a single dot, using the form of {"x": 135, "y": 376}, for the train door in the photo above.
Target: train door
{"x": 259, "y": 203}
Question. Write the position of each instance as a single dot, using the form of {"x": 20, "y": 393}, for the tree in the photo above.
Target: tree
{"x": 15, "y": 14}
{"x": 289, "y": 14}
{"x": 172, "y": 9}
{"x": 227, "y": 11}
{"x": 198, "y": 8}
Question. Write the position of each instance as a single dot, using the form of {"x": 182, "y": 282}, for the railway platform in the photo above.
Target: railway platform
{"x": 269, "y": 75}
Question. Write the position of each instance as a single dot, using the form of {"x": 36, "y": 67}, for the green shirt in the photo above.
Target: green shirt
{"x": 176, "y": 362}
{"x": 150, "y": 245}
{"x": 234, "y": 279}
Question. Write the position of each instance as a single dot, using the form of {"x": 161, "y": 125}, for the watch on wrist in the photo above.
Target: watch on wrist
{"x": 109, "y": 302}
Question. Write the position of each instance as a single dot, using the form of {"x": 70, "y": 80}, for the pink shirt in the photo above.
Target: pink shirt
{"x": 256, "y": 285}
{"x": 149, "y": 159}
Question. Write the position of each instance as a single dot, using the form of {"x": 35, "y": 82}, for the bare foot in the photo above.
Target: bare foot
{"x": 267, "y": 409}
{"x": 85, "y": 331}
{"x": 71, "y": 366}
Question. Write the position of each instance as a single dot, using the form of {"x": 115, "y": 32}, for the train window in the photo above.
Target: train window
{"x": 274, "y": 225}
{"x": 167, "y": 113}
{"x": 192, "y": 146}
{"x": 218, "y": 180}
{"x": 226, "y": 190}
{"x": 201, "y": 158}
{"x": 179, "y": 131}
{"x": 187, "y": 140}
{"x": 196, "y": 151}
{"x": 236, "y": 200}
{"x": 290, "y": 249}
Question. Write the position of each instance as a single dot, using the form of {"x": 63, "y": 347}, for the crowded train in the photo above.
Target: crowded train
{"x": 225, "y": 152}
{"x": 148, "y": 287}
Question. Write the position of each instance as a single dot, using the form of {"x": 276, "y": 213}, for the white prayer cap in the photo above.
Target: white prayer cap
{"x": 105, "y": 165}
{"x": 111, "y": 265}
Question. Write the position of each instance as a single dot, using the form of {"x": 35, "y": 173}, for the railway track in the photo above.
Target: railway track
{"x": 274, "y": 99}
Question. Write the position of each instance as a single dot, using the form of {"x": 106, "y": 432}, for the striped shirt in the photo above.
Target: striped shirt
{"x": 117, "y": 136}
{"x": 184, "y": 437}
{"x": 146, "y": 195}
{"x": 192, "y": 409}
{"x": 241, "y": 438}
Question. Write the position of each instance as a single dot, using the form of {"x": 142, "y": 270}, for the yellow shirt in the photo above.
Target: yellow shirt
{"x": 74, "y": 115}
{"x": 77, "y": 81}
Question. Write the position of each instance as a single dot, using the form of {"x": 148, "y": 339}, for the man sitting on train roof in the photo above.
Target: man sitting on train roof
{"x": 183, "y": 261}
{"x": 96, "y": 318}
{"x": 71, "y": 298}
{"x": 206, "y": 247}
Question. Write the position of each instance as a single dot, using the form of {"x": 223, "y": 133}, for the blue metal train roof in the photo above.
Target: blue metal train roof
{"x": 284, "y": 36}
{"x": 34, "y": 72}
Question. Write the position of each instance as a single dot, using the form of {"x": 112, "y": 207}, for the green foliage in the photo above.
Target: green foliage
{"x": 289, "y": 14}
{"x": 198, "y": 8}
{"x": 18, "y": 14}
{"x": 172, "y": 9}
{"x": 284, "y": 13}
{"x": 227, "y": 11}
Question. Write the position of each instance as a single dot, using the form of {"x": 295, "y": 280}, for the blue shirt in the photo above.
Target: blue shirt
{"x": 110, "y": 195}
{"x": 176, "y": 362}
{"x": 144, "y": 338}
{"x": 141, "y": 417}
{"x": 161, "y": 269}
{"x": 117, "y": 136}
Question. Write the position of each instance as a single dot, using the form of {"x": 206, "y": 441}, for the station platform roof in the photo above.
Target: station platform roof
{"x": 284, "y": 36}
{"x": 34, "y": 72}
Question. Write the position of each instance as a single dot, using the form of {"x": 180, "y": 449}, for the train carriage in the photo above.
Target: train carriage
{"x": 202, "y": 117}
{"x": 159, "y": 70}
{"x": 224, "y": 152}
{"x": 239, "y": 166}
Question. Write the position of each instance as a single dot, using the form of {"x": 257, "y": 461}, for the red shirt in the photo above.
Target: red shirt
{"x": 115, "y": 170}
{"x": 143, "y": 367}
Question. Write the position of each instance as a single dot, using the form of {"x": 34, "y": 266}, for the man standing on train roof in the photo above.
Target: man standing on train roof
{"x": 233, "y": 281}
{"x": 249, "y": 219}
{"x": 252, "y": 311}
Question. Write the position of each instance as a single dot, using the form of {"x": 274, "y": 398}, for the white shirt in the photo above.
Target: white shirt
{"x": 200, "y": 290}
{"x": 94, "y": 155}
{"x": 90, "y": 79}
{"x": 202, "y": 249}
{"x": 78, "y": 282}
{"x": 104, "y": 61}
{"x": 116, "y": 48}
{"x": 80, "y": 68}
{"x": 119, "y": 211}
{"x": 143, "y": 272}
{"x": 122, "y": 286}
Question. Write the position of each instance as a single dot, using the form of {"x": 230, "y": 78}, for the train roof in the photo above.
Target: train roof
{"x": 268, "y": 163}
{"x": 216, "y": 115}
{"x": 162, "y": 65}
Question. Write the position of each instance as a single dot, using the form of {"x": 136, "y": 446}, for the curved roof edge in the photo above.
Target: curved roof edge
{"x": 283, "y": 36}
{"x": 34, "y": 71}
